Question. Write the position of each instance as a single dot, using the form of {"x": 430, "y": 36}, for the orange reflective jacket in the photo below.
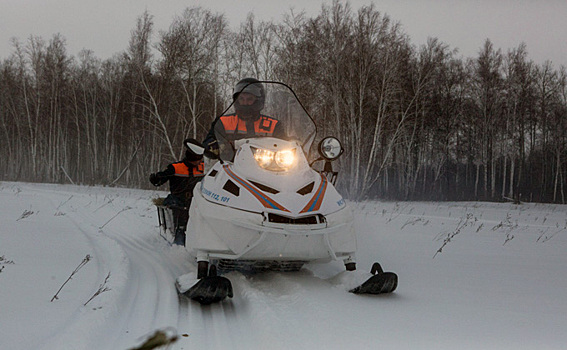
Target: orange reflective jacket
{"x": 182, "y": 170}
{"x": 264, "y": 126}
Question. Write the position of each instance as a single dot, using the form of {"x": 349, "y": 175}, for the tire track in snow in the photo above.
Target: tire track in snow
{"x": 90, "y": 320}
{"x": 151, "y": 291}
{"x": 208, "y": 326}
{"x": 142, "y": 294}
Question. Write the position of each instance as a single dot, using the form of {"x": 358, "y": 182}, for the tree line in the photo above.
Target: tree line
{"x": 415, "y": 122}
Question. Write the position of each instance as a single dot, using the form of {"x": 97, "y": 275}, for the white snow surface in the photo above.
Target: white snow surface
{"x": 499, "y": 281}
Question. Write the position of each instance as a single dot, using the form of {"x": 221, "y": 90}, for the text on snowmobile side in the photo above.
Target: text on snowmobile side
{"x": 215, "y": 196}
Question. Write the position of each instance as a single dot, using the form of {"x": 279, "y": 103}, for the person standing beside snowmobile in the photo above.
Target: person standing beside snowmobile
{"x": 182, "y": 177}
{"x": 246, "y": 122}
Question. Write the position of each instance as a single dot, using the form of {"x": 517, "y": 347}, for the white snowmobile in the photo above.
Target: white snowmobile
{"x": 263, "y": 207}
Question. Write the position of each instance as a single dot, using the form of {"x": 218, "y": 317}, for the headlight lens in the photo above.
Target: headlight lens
{"x": 285, "y": 159}
{"x": 276, "y": 161}
{"x": 264, "y": 157}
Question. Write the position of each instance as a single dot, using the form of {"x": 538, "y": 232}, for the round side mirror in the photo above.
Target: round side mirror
{"x": 330, "y": 148}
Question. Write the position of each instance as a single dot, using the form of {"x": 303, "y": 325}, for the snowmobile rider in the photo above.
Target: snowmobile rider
{"x": 182, "y": 177}
{"x": 248, "y": 99}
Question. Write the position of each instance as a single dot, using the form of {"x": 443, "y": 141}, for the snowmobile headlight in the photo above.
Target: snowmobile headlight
{"x": 285, "y": 159}
{"x": 264, "y": 157}
{"x": 276, "y": 161}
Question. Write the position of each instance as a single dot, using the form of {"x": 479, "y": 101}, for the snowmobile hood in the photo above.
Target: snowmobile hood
{"x": 244, "y": 185}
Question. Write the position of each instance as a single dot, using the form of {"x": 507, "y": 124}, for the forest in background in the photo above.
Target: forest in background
{"x": 417, "y": 123}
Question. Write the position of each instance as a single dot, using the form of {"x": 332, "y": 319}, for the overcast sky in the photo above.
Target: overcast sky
{"x": 104, "y": 25}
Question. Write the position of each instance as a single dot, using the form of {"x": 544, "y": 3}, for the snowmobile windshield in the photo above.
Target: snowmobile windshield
{"x": 266, "y": 109}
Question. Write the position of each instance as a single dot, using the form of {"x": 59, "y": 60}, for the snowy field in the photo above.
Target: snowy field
{"x": 471, "y": 276}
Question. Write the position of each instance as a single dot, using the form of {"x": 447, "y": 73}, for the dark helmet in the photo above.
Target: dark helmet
{"x": 254, "y": 87}
{"x": 193, "y": 150}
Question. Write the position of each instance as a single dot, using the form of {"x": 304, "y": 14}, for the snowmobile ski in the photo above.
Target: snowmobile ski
{"x": 210, "y": 289}
{"x": 381, "y": 282}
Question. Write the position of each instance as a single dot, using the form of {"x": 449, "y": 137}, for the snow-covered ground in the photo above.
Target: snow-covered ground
{"x": 472, "y": 276}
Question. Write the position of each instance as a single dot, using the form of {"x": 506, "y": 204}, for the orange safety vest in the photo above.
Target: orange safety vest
{"x": 182, "y": 170}
{"x": 264, "y": 126}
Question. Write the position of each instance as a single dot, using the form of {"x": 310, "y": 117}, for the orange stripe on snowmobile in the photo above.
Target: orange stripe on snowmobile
{"x": 266, "y": 201}
{"x": 317, "y": 199}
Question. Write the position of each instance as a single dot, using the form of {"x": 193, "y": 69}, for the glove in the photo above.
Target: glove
{"x": 212, "y": 150}
{"x": 154, "y": 179}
